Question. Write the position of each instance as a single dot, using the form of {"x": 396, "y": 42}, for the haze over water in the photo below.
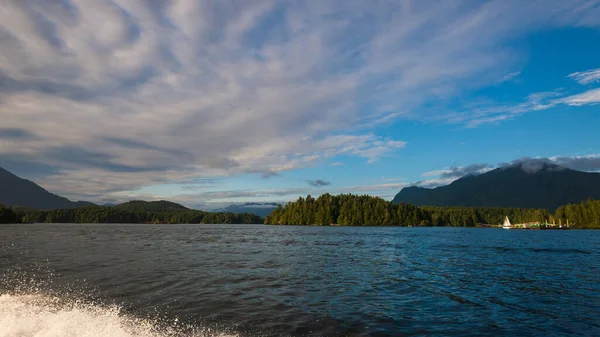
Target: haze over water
{"x": 255, "y": 280}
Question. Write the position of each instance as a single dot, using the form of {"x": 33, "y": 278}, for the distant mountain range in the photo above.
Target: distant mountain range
{"x": 260, "y": 209}
{"x": 18, "y": 192}
{"x": 549, "y": 187}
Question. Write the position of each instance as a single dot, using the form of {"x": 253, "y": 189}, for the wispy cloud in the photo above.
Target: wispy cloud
{"x": 368, "y": 146}
{"x": 586, "y": 77}
{"x": 446, "y": 176}
{"x": 498, "y": 113}
{"x": 435, "y": 173}
{"x": 585, "y": 98}
{"x": 509, "y": 77}
{"x": 434, "y": 182}
{"x": 134, "y": 93}
{"x": 386, "y": 118}
{"x": 539, "y": 101}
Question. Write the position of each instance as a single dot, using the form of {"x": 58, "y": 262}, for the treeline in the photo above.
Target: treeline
{"x": 354, "y": 210}
{"x": 102, "y": 214}
{"x": 345, "y": 209}
{"x": 582, "y": 215}
{"x": 8, "y": 215}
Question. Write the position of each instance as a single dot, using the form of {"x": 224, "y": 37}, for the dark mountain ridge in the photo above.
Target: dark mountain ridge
{"x": 19, "y": 192}
{"x": 520, "y": 185}
{"x": 261, "y": 209}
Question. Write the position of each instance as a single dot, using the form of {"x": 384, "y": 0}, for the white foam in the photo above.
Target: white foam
{"x": 43, "y": 316}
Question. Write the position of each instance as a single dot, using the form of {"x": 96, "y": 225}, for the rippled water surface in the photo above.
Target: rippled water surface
{"x": 255, "y": 280}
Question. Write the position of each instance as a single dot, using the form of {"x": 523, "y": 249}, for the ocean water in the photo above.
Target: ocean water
{"x": 255, "y": 280}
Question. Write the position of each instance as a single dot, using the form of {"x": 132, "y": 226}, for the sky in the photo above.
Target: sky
{"x": 209, "y": 102}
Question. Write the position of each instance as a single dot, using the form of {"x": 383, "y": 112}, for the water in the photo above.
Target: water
{"x": 247, "y": 280}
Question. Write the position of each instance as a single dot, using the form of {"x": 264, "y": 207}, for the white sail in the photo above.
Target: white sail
{"x": 506, "y": 224}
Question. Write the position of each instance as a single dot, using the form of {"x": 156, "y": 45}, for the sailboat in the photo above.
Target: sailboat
{"x": 506, "y": 224}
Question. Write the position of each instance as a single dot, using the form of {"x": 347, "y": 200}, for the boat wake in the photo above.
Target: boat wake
{"x": 28, "y": 315}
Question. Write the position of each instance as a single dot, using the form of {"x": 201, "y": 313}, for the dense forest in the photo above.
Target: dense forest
{"x": 348, "y": 209}
{"x": 345, "y": 209}
{"x": 100, "y": 214}
{"x": 8, "y": 215}
{"x": 582, "y": 215}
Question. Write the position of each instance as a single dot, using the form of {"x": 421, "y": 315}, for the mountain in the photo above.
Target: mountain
{"x": 260, "y": 209}
{"x": 549, "y": 187}
{"x": 151, "y": 206}
{"x": 18, "y": 192}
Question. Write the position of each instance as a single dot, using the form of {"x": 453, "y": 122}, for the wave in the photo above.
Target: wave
{"x": 37, "y": 315}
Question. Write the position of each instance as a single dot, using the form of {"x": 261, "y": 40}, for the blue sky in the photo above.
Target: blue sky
{"x": 209, "y": 103}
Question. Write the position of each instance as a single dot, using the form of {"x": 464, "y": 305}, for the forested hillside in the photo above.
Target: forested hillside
{"x": 585, "y": 214}
{"x": 347, "y": 209}
{"x": 101, "y": 214}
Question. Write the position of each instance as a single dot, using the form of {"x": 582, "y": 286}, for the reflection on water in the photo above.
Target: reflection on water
{"x": 248, "y": 280}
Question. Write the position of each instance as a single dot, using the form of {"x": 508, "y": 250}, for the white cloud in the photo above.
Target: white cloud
{"x": 122, "y": 94}
{"x": 586, "y": 77}
{"x": 386, "y": 118}
{"x": 498, "y": 113}
{"x": 435, "y": 173}
{"x": 586, "y": 163}
{"x": 509, "y": 76}
{"x": 434, "y": 182}
{"x": 494, "y": 113}
{"x": 585, "y": 98}
{"x": 446, "y": 176}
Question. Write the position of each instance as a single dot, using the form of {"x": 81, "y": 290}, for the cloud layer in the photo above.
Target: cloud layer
{"x": 589, "y": 163}
{"x": 586, "y": 77}
{"x": 111, "y": 96}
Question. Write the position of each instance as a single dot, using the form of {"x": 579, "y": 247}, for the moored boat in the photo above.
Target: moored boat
{"x": 506, "y": 224}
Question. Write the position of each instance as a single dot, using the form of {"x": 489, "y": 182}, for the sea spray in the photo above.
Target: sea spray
{"x": 34, "y": 304}
{"x": 37, "y": 315}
